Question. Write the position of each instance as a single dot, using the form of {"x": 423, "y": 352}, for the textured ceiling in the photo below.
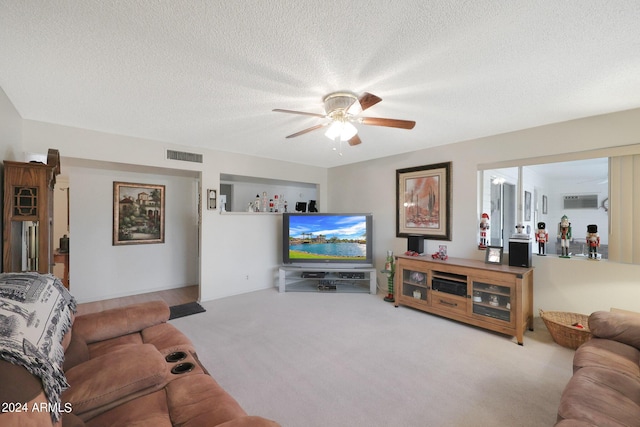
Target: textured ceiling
{"x": 208, "y": 73}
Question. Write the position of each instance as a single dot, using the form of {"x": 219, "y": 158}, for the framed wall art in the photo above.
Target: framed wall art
{"x": 423, "y": 201}
{"x": 138, "y": 213}
{"x": 527, "y": 206}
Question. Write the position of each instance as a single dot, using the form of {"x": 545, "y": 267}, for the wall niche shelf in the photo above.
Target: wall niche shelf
{"x": 241, "y": 190}
{"x": 250, "y": 213}
{"x": 491, "y": 296}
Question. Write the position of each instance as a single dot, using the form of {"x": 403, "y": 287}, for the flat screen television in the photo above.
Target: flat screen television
{"x": 331, "y": 240}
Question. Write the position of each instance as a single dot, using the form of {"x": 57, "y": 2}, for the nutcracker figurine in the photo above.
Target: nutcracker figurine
{"x": 484, "y": 226}
{"x": 593, "y": 240}
{"x": 389, "y": 270}
{"x": 542, "y": 237}
{"x": 565, "y": 235}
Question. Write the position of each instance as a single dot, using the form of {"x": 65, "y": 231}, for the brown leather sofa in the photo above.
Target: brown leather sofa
{"x": 605, "y": 387}
{"x": 125, "y": 366}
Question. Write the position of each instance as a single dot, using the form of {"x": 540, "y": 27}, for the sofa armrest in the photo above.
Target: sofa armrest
{"x": 22, "y": 390}
{"x": 120, "y": 321}
{"x": 112, "y": 379}
{"x": 617, "y": 326}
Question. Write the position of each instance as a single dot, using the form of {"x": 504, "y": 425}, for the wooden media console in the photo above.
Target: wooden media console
{"x": 491, "y": 296}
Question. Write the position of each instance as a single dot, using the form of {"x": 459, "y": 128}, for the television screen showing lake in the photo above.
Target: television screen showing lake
{"x": 327, "y": 237}
{"x": 328, "y": 250}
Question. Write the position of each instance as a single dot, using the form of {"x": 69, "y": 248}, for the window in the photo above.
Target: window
{"x": 544, "y": 193}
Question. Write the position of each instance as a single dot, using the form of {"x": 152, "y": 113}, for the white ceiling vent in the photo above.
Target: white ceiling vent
{"x": 583, "y": 201}
{"x": 184, "y": 156}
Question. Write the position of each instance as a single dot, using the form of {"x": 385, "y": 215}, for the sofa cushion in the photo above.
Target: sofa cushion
{"x": 574, "y": 423}
{"x": 70, "y": 420}
{"x": 602, "y": 397}
{"x": 164, "y": 336}
{"x": 101, "y": 348}
{"x": 167, "y": 338}
{"x": 76, "y": 353}
{"x": 114, "y": 378}
{"x": 18, "y": 384}
{"x": 198, "y": 400}
{"x": 190, "y": 401}
{"x": 121, "y": 321}
{"x": 148, "y": 410}
{"x": 618, "y": 326}
{"x": 603, "y": 353}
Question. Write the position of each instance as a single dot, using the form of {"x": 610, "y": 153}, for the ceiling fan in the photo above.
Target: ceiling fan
{"x": 344, "y": 108}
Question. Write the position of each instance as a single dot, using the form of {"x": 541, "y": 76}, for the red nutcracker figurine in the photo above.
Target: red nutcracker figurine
{"x": 484, "y": 226}
{"x": 593, "y": 240}
{"x": 542, "y": 237}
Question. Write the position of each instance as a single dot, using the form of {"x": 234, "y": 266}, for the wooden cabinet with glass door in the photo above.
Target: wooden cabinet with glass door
{"x": 28, "y": 214}
{"x": 494, "y": 297}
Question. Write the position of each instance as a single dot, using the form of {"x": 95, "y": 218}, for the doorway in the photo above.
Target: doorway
{"x": 503, "y": 212}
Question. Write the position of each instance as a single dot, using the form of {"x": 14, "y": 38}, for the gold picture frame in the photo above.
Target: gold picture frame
{"x": 138, "y": 213}
{"x": 423, "y": 201}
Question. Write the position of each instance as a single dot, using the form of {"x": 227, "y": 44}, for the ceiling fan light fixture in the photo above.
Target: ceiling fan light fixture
{"x": 339, "y": 101}
{"x": 342, "y": 130}
{"x": 341, "y": 110}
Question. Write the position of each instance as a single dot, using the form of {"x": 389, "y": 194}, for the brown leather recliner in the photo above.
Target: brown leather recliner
{"x": 126, "y": 366}
{"x": 605, "y": 387}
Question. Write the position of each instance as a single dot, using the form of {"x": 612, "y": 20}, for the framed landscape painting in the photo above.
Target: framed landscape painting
{"x": 138, "y": 213}
{"x": 423, "y": 201}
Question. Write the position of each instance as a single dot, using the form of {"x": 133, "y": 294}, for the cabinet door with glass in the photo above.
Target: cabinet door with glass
{"x": 414, "y": 286}
{"x": 493, "y": 302}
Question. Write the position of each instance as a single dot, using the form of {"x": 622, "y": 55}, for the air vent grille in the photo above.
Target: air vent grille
{"x": 184, "y": 156}
{"x": 584, "y": 201}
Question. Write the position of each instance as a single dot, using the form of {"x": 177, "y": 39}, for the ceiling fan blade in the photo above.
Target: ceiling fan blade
{"x": 307, "y": 130}
{"x": 393, "y": 123}
{"x": 304, "y": 113}
{"x": 355, "y": 140}
{"x": 355, "y": 108}
{"x": 368, "y": 100}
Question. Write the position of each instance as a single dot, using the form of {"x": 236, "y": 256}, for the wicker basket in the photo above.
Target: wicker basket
{"x": 559, "y": 324}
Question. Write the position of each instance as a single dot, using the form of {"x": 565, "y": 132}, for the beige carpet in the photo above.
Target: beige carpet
{"x": 317, "y": 359}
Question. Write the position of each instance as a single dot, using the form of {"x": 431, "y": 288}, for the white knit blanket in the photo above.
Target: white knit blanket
{"x": 35, "y": 313}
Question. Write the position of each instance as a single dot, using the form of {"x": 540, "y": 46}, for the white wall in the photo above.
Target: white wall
{"x": 100, "y": 270}
{"x": 60, "y": 214}
{"x": 579, "y": 218}
{"x": 10, "y": 137}
{"x": 237, "y": 246}
{"x": 10, "y": 129}
{"x": 567, "y": 285}
{"x": 238, "y": 253}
